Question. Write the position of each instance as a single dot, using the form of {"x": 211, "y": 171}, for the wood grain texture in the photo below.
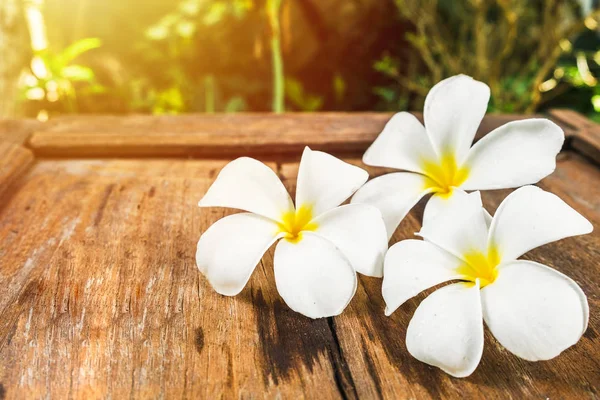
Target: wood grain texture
{"x": 14, "y": 161}
{"x": 374, "y": 345}
{"x": 583, "y": 134}
{"x": 100, "y": 296}
{"x": 18, "y": 130}
{"x": 268, "y": 136}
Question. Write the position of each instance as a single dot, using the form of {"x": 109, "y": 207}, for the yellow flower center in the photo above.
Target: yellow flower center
{"x": 294, "y": 222}
{"x": 444, "y": 174}
{"x": 480, "y": 266}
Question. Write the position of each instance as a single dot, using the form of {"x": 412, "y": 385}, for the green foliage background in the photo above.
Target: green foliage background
{"x": 307, "y": 55}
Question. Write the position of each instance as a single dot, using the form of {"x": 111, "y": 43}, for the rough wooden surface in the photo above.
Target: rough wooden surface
{"x": 374, "y": 347}
{"x": 584, "y": 134}
{"x": 268, "y": 136}
{"x": 14, "y": 161}
{"x": 18, "y": 130}
{"x": 100, "y": 296}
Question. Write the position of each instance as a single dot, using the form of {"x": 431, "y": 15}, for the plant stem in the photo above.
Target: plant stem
{"x": 273, "y": 7}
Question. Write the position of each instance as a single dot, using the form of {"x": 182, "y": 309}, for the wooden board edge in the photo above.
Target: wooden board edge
{"x": 582, "y": 134}
{"x": 208, "y": 136}
{"x": 269, "y": 137}
{"x": 14, "y": 163}
{"x": 272, "y": 152}
{"x": 18, "y": 131}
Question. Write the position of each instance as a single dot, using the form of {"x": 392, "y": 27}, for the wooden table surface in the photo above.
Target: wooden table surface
{"x": 100, "y": 296}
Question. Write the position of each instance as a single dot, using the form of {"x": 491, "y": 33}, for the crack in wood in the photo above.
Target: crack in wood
{"x": 103, "y": 203}
{"x": 343, "y": 375}
{"x": 249, "y": 346}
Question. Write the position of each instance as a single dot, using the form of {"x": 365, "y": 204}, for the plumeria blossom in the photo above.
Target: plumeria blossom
{"x": 439, "y": 156}
{"x": 323, "y": 245}
{"x": 533, "y": 311}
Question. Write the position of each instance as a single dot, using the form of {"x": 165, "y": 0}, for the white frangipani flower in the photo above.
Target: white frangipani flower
{"x": 533, "y": 311}
{"x": 441, "y": 160}
{"x": 324, "y": 243}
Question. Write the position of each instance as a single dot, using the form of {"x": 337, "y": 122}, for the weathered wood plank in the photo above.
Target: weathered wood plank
{"x": 373, "y": 344}
{"x": 100, "y": 296}
{"x": 18, "y": 130}
{"x": 14, "y": 161}
{"x": 585, "y": 135}
{"x": 269, "y": 136}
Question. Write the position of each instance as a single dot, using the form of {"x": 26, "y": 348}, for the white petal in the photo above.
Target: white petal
{"x": 453, "y": 111}
{"x": 534, "y": 311}
{"x": 439, "y": 203}
{"x": 412, "y": 266}
{"x": 324, "y": 182}
{"x": 358, "y": 231}
{"x": 447, "y": 331}
{"x": 530, "y": 217}
{"x": 460, "y": 228}
{"x": 403, "y": 144}
{"x": 488, "y": 219}
{"x": 516, "y": 154}
{"x": 248, "y": 184}
{"x": 394, "y": 195}
{"x": 313, "y": 276}
{"x": 231, "y": 248}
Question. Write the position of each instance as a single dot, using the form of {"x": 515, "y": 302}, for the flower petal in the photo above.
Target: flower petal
{"x": 447, "y": 331}
{"x": 248, "y": 184}
{"x": 534, "y": 311}
{"x": 394, "y": 195}
{"x": 460, "y": 228}
{"x": 439, "y": 202}
{"x": 324, "y": 182}
{"x": 231, "y": 248}
{"x": 403, "y": 144}
{"x": 530, "y": 217}
{"x": 516, "y": 154}
{"x": 358, "y": 231}
{"x": 412, "y": 266}
{"x": 313, "y": 276}
{"x": 453, "y": 111}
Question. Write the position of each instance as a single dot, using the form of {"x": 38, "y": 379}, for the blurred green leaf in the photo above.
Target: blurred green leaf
{"x": 386, "y": 93}
{"x": 339, "y": 87}
{"x": 78, "y": 73}
{"x": 596, "y": 102}
{"x": 241, "y": 7}
{"x": 296, "y": 94}
{"x": 157, "y": 32}
{"x": 96, "y": 89}
{"x": 215, "y": 13}
{"x": 190, "y": 7}
{"x": 313, "y": 103}
{"x": 185, "y": 29}
{"x": 386, "y": 65}
{"x": 293, "y": 90}
{"x": 55, "y": 76}
{"x": 78, "y": 48}
{"x": 168, "y": 101}
{"x": 235, "y": 104}
{"x": 169, "y": 20}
